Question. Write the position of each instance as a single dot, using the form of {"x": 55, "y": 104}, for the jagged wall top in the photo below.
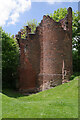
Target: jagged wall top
{"x": 64, "y": 24}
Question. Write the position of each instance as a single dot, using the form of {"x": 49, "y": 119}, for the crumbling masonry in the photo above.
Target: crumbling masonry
{"x": 46, "y": 55}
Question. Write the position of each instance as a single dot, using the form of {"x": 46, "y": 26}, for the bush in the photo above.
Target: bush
{"x": 75, "y": 75}
{"x": 10, "y": 60}
{"x": 76, "y": 61}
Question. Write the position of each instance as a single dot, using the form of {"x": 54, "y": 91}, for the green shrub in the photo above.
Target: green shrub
{"x": 74, "y": 75}
{"x": 10, "y": 60}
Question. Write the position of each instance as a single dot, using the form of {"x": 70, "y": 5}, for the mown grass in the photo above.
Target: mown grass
{"x": 58, "y": 102}
{"x": 0, "y": 106}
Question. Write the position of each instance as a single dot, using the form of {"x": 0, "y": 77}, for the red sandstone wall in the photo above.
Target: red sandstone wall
{"x": 68, "y": 45}
{"x": 33, "y": 53}
{"x": 56, "y": 47}
{"x": 27, "y": 74}
{"x": 52, "y": 52}
{"x": 29, "y": 62}
{"x": 43, "y": 54}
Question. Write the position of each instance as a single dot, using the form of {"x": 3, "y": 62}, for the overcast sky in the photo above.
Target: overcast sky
{"x": 14, "y": 13}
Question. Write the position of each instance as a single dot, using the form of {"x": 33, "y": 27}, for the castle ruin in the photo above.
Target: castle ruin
{"x": 46, "y": 55}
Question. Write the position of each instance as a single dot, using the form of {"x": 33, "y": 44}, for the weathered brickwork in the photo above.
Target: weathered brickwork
{"x": 46, "y": 55}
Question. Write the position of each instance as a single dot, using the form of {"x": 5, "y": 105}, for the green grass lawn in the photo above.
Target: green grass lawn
{"x": 58, "y": 102}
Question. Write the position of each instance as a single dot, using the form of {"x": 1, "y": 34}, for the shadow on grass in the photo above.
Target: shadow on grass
{"x": 39, "y": 118}
{"x": 12, "y": 93}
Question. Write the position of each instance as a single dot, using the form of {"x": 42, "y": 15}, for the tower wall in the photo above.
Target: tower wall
{"x": 52, "y": 52}
{"x": 56, "y": 51}
{"x": 29, "y": 62}
{"x": 46, "y": 56}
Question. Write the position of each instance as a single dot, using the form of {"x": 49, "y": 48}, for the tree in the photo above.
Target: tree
{"x": 10, "y": 60}
{"x": 31, "y": 24}
{"x": 60, "y": 14}
{"x": 0, "y": 58}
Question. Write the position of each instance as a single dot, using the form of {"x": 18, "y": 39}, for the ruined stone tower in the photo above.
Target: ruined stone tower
{"x": 46, "y": 55}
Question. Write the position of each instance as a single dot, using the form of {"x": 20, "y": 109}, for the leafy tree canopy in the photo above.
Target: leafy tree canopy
{"x": 10, "y": 57}
{"x": 31, "y": 24}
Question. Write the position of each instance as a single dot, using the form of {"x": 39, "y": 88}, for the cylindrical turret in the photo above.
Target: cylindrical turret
{"x": 56, "y": 49}
{"x": 53, "y": 38}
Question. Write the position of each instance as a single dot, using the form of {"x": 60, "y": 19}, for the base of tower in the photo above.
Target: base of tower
{"x": 47, "y": 81}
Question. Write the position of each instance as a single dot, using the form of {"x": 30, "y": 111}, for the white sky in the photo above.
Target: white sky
{"x": 11, "y": 9}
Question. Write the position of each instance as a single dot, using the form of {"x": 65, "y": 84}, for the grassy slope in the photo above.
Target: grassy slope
{"x": 58, "y": 102}
{"x": 0, "y": 106}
